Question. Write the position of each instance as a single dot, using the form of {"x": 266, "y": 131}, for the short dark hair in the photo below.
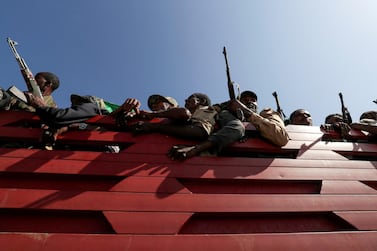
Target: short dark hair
{"x": 293, "y": 114}
{"x": 336, "y": 115}
{"x": 50, "y": 77}
{"x": 203, "y": 99}
{"x": 250, "y": 94}
{"x": 369, "y": 115}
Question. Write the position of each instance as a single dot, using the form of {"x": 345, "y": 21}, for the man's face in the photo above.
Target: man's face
{"x": 334, "y": 119}
{"x": 160, "y": 105}
{"x": 192, "y": 103}
{"x": 250, "y": 102}
{"x": 43, "y": 84}
{"x": 302, "y": 117}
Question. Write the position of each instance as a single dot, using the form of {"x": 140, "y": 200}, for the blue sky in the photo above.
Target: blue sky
{"x": 307, "y": 51}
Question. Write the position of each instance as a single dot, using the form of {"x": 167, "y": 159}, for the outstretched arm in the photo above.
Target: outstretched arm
{"x": 180, "y": 114}
{"x": 268, "y": 123}
{"x": 129, "y": 105}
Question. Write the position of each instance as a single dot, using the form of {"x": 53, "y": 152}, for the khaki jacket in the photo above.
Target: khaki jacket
{"x": 271, "y": 126}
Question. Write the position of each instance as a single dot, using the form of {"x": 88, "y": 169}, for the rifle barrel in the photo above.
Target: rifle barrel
{"x": 279, "y": 110}
{"x": 344, "y": 112}
{"x": 232, "y": 95}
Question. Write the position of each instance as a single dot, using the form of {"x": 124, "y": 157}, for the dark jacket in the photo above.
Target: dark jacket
{"x": 58, "y": 117}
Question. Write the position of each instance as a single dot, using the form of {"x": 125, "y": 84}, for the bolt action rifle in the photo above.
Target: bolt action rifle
{"x": 232, "y": 95}
{"x": 279, "y": 110}
{"x": 345, "y": 113}
{"x": 25, "y": 71}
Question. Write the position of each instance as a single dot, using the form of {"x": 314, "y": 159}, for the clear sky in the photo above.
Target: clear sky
{"x": 306, "y": 51}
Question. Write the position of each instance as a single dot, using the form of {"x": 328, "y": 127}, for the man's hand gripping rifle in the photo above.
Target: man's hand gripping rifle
{"x": 28, "y": 76}
{"x": 232, "y": 95}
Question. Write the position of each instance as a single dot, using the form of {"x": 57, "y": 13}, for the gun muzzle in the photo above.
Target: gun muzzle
{"x": 10, "y": 41}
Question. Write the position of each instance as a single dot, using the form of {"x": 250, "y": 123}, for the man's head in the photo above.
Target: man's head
{"x": 47, "y": 82}
{"x": 160, "y": 103}
{"x": 300, "y": 117}
{"x": 369, "y": 115}
{"x": 249, "y": 99}
{"x": 196, "y": 100}
{"x": 334, "y": 118}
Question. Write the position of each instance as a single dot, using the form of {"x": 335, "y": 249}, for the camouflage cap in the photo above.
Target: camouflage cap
{"x": 153, "y": 99}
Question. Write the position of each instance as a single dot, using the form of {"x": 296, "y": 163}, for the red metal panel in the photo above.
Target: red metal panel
{"x": 92, "y": 200}
{"x": 283, "y": 242}
{"x": 150, "y": 184}
{"x": 319, "y": 200}
{"x": 54, "y": 221}
{"x": 352, "y": 170}
{"x": 8, "y": 117}
{"x": 147, "y": 222}
{"x": 162, "y": 159}
{"x": 319, "y": 154}
{"x": 346, "y": 187}
{"x": 306, "y": 137}
{"x": 363, "y": 220}
{"x": 91, "y": 183}
{"x": 20, "y": 133}
{"x": 303, "y": 129}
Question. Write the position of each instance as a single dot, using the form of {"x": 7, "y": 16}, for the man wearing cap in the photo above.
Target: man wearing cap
{"x": 367, "y": 123}
{"x": 300, "y": 117}
{"x": 160, "y": 103}
{"x": 268, "y": 123}
{"x": 156, "y": 102}
{"x": 196, "y": 120}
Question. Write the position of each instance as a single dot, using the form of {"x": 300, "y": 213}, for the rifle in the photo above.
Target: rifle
{"x": 279, "y": 110}
{"x": 345, "y": 114}
{"x": 28, "y": 76}
{"x": 230, "y": 82}
{"x": 232, "y": 95}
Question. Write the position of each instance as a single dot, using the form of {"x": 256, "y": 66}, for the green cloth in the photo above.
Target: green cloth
{"x": 110, "y": 107}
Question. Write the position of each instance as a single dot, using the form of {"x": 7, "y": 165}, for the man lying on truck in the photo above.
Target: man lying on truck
{"x": 60, "y": 120}
{"x": 268, "y": 123}
{"x": 194, "y": 121}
